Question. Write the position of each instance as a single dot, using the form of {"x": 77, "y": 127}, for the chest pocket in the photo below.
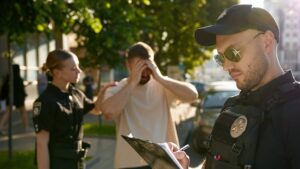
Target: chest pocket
{"x": 70, "y": 117}
{"x": 234, "y": 138}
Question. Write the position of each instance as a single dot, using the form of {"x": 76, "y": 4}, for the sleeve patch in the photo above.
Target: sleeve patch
{"x": 37, "y": 108}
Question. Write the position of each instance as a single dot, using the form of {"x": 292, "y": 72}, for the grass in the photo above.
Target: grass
{"x": 25, "y": 159}
{"x": 20, "y": 160}
{"x": 106, "y": 130}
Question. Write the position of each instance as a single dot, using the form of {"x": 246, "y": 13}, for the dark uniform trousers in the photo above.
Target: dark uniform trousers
{"x": 144, "y": 167}
{"x": 61, "y": 163}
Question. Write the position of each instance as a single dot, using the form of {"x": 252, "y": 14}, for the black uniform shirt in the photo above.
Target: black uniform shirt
{"x": 279, "y": 140}
{"x": 61, "y": 113}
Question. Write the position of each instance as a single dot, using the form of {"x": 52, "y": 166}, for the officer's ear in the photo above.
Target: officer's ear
{"x": 269, "y": 42}
{"x": 56, "y": 72}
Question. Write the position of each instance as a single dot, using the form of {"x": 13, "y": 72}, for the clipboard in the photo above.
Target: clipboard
{"x": 157, "y": 155}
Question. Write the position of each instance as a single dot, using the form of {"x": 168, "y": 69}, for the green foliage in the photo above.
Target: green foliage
{"x": 20, "y": 159}
{"x": 27, "y": 16}
{"x": 67, "y": 16}
{"x": 167, "y": 25}
{"x": 99, "y": 130}
{"x": 17, "y": 18}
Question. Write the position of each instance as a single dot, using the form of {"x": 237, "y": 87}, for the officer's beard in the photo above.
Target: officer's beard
{"x": 144, "y": 79}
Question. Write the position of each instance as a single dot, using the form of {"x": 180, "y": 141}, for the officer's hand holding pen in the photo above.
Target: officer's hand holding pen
{"x": 180, "y": 155}
{"x": 184, "y": 147}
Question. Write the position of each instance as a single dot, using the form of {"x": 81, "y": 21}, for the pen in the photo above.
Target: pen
{"x": 184, "y": 147}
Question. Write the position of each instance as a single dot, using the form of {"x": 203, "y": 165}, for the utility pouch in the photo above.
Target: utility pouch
{"x": 84, "y": 150}
{"x": 213, "y": 163}
{"x": 77, "y": 151}
{"x": 234, "y": 137}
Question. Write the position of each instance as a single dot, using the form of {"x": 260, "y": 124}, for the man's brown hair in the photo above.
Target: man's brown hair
{"x": 140, "y": 50}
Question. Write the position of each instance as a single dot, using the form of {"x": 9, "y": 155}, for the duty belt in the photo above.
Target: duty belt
{"x": 76, "y": 150}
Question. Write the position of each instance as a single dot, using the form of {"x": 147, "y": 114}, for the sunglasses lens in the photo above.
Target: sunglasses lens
{"x": 219, "y": 59}
{"x": 232, "y": 55}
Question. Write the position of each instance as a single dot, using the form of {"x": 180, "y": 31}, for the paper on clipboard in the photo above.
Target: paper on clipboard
{"x": 157, "y": 155}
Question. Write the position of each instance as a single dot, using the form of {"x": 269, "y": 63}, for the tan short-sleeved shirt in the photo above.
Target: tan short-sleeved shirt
{"x": 146, "y": 116}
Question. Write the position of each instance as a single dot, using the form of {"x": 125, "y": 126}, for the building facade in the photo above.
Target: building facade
{"x": 287, "y": 15}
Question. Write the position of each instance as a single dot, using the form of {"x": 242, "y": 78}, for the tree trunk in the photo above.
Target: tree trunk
{"x": 58, "y": 37}
{"x": 10, "y": 97}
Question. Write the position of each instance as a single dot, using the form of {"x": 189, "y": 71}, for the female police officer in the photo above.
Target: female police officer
{"x": 58, "y": 114}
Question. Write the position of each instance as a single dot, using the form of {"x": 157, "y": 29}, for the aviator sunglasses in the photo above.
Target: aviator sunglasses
{"x": 231, "y": 53}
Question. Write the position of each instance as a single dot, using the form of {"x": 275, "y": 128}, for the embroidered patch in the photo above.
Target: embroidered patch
{"x": 37, "y": 106}
{"x": 238, "y": 127}
{"x": 36, "y": 128}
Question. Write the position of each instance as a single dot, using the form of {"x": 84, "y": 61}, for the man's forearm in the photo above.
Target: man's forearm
{"x": 184, "y": 91}
{"x": 114, "y": 105}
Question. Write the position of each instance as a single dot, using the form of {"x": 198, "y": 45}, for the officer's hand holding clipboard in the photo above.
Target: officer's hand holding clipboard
{"x": 157, "y": 155}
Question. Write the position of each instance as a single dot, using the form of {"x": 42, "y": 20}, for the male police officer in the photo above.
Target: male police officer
{"x": 259, "y": 127}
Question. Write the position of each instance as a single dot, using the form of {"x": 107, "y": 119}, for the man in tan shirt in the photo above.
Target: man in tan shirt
{"x": 140, "y": 105}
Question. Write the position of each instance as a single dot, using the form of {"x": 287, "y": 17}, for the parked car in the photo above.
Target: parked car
{"x": 208, "y": 110}
{"x": 199, "y": 86}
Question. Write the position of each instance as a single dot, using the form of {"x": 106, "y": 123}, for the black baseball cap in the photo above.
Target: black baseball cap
{"x": 236, "y": 19}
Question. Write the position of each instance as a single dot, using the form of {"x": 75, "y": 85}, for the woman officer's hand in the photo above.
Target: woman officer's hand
{"x": 100, "y": 97}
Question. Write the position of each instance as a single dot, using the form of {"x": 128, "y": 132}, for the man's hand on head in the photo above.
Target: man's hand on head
{"x": 136, "y": 71}
{"x": 155, "y": 70}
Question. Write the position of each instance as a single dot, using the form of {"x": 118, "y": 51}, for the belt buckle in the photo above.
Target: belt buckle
{"x": 78, "y": 145}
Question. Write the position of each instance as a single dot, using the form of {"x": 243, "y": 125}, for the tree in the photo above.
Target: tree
{"x": 60, "y": 16}
{"x": 16, "y": 20}
{"x": 21, "y": 17}
{"x": 168, "y": 26}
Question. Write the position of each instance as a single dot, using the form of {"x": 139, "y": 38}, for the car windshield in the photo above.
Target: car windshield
{"x": 216, "y": 99}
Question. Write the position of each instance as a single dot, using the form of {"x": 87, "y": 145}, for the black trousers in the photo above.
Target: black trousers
{"x": 62, "y": 163}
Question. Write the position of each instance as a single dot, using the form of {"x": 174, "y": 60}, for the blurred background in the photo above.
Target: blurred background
{"x": 99, "y": 32}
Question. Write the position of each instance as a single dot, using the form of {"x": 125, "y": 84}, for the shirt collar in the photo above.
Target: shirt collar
{"x": 260, "y": 95}
{"x": 55, "y": 90}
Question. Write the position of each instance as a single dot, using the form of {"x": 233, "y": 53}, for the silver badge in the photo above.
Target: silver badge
{"x": 37, "y": 106}
{"x": 238, "y": 127}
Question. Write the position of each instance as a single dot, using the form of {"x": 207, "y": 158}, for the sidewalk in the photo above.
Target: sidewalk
{"x": 102, "y": 152}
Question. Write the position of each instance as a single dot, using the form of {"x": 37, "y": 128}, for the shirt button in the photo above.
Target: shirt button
{"x": 71, "y": 137}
